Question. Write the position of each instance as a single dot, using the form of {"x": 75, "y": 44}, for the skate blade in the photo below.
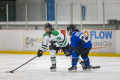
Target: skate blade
{"x": 88, "y": 70}
{"x": 72, "y": 70}
{"x": 53, "y": 70}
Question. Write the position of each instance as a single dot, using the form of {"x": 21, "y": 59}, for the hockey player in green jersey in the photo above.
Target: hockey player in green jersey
{"x": 57, "y": 40}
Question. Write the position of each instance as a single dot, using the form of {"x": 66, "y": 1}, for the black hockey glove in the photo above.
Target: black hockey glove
{"x": 39, "y": 53}
{"x": 67, "y": 53}
{"x": 52, "y": 47}
{"x": 52, "y": 42}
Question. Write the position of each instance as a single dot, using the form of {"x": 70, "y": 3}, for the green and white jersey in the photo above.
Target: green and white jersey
{"x": 60, "y": 39}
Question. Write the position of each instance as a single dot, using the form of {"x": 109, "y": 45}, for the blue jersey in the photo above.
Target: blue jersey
{"x": 78, "y": 39}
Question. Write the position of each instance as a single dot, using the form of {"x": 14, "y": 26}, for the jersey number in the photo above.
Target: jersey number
{"x": 59, "y": 38}
{"x": 82, "y": 37}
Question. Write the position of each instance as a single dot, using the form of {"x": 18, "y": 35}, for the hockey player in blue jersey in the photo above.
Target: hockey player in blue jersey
{"x": 80, "y": 45}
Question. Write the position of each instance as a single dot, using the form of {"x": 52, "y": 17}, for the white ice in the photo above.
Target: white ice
{"x": 38, "y": 69}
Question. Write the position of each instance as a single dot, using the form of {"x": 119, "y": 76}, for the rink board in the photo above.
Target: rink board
{"x": 59, "y": 53}
{"x": 105, "y": 42}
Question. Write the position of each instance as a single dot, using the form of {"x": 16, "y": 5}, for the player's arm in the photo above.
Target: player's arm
{"x": 43, "y": 46}
{"x": 72, "y": 46}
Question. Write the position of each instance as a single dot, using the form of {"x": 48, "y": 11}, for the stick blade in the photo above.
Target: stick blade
{"x": 9, "y": 72}
{"x": 95, "y": 67}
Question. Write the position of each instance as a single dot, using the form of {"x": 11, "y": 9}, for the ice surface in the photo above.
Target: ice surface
{"x": 38, "y": 69}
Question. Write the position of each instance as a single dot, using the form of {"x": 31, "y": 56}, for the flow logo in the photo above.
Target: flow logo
{"x": 100, "y": 39}
{"x": 99, "y": 35}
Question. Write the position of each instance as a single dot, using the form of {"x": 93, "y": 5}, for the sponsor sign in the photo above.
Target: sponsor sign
{"x": 103, "y": 41}
{"x": 32, "y": 40}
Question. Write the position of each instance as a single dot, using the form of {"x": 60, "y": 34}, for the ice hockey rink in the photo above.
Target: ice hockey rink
{"x": 38, "y": 69}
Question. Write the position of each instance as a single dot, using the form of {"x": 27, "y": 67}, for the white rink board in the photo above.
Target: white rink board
{"x": 117, "y": 41}
{"x": 102, "y": 40}
{"x": 11, "y": 40}
{"x": 33, "y": 39}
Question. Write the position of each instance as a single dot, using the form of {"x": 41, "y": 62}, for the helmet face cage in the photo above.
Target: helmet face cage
{"x": 48, "y": 26}
{"x": 70, "y": 29}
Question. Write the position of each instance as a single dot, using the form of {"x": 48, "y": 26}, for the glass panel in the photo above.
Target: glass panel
{"x": 90, "y": 26}
{"x": 32, "y": 27}
{"x": 37, "y": 27}
{"x": 111, "y": 27}
{"x": 63, "y": 27}
{"x": 63, "y": 10}
{"x": 112, "y": 11}
{"x": 20, "y": 11}
{"x": 41, "y": 27}
{"x": 12, "y": 11}
{"x": 36, "y": 11}
{"x": 3, "y": 27}
{"x": 76, "y": 12}
{"x": 92, "y": 12}
{"x": 118, "y": 27}
{"x": 17, "y": 27}
{"x": 84, "y": 26}
{"x": 3, "y": 16}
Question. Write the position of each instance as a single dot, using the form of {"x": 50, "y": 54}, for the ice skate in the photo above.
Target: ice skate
{"x": 53, "y": 68}
{"x": 73, "y": 68}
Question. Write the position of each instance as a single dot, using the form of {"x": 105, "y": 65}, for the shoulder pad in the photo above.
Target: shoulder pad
{"x": 45, "y": 35}
{"x": 55, "y": 33}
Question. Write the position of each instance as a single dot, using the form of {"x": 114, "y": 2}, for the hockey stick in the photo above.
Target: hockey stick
{"x": 22, "y": 64}
{"x": 95, "y": 67}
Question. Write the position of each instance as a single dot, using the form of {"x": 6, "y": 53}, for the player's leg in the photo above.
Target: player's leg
{"x": 53, "y": 59}
{"x": 66, "y": 49}
{"x": 74, "y": 61}
{"x": 79, "y": 60}
{"x": 83, "y": 52}
{"x": 86, "y": 62}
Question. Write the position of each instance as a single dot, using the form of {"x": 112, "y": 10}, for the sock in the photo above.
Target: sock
{"x": 74, "y": 61}
{"x": 53, "y": 60}
{"x": 79, "y": 60}
{"x": 86, "y": 61}
{"x": 74, "y": 58}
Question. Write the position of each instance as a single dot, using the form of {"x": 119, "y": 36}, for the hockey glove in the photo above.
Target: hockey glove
{"x": 52, "y": 42}
{"x": 39, "y": 53}
{"x": 67, "y": 53}
{"x": 52, "y": 47}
